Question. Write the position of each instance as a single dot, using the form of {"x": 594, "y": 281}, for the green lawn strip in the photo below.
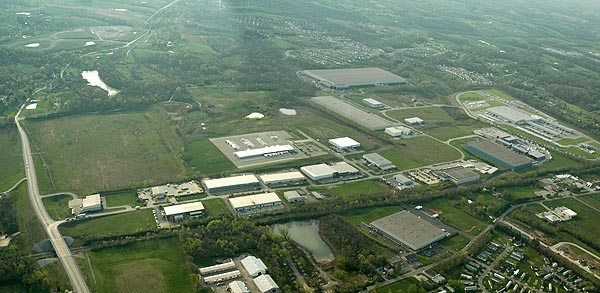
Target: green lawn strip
{"x": 573, "y": 141}
{"x": 592, "y": 199}
{"x": 215, "y": 207}
{"x": 145, "y": 266}
{"x": 58, "y": 206}
{"x": 359, "y": 188}
{"x": 455, "y": 243}
{"x": 32, "y": 231}
{"x": 124, "y": 223}
{"x": 455, "y": 217}
{"x": 403, "y": 286}
{"x": 11, "y": 162}
{"x": 121, "y": 198}
{"x": 368, "y": 215}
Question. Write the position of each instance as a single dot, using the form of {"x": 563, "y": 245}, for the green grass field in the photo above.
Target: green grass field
{"x": 519, "y": 192}
{"x": 501, "y": 94}
{"x": 586, "y": 221}
{"x": 32, "y": 231}
{"x": 453, "y": 216}
{"x": 592, "y": 199}
{"x": 442, "y": 123}
{"x": 146, "y": 266}
{"x": 10, "y": 158}
{"x": 58, "y": 206}
{"x": 573, "y": 141}
{"x": 368, "y": 215}
{"x": 215, "y": 207}
{"x": 402, "y": 286}
{"x": 103, "y": 152}
{"x": 129, "y": 222}
{"x": 419, "y": 151}
{"x": 205, "y": 158}
{"x": 122, "y": 198}
{"x": 455, "y": 243}
{"x": 359, "y": 188}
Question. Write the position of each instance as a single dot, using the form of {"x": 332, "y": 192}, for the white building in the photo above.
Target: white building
{"x": 91, "y": 203}
{"x": 379, "y": 161}
{"x": 265, "y": 284}
{"x": 254, "y": 266}
{"x": 222, "y": 277}
{"x": 398, "y": 131}
{"x": 323, "y": 171}
{"x": 238, "y": 287}
{"x": 256, "y": 202}
{"x": 283, "y": 179}
{"x": 413, "y": 121}
{"x": 293, "y": 196}
{"x": 268, "y": 151}
{"x": 232, "y": 184}
{"x": 177, "y": 213}
{"x": 217, "y": 268}
{"x": 373, "y": 103}
{"x": 344, "y": 144}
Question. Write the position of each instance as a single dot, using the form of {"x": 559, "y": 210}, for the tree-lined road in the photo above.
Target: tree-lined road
{"x": 58, "y": 243}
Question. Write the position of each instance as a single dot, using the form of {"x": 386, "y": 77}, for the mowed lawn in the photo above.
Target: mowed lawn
{"x": 455, "y": 217}
{"x": 146, "y": 266}
{"x": 124, "y": 223}
{"x": 123, "y": 198}
{"x": 368, "y": 215}
{"x": 419, "y": 151}
{"x": 204, "y": 157}
{"x": 441, "y": 122}
{"x": 11, "y": 162}
{"x": 359, "y": 188}
{"x": 215, "y": 207}
{"x": 106, "y": 152}
{"x": 58, "y": 206}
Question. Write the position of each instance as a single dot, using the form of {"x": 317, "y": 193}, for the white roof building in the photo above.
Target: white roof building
{"x": 238, "y": 287}
{"x": 222, "y": 277}
{"x": 379, "y": 161}
{"x": 265, "y": 284}
{"x": 192, "y": 208}
{"x": 91, "y": 203}
{"x": 373, "y": 103}
{"x": 254, "y": 266}
{"x": 281, "y": 178}
{"x": 344, "y": 143}
{"x": 217, "y": 268}
{"x": 512, "y": 114}
{"x": 265, "y": 151}
{"x": 324, "y": 171}
{"x": 229, "y": 182}
{"x": 413, "y": 120}
{"x": 397, "y": 131}
{"x": 255, "y": 201}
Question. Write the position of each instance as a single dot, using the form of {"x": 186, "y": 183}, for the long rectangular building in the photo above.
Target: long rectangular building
{"x": 177, "y": 213}
{"x": 267, "y": 151}
{"x": 379, "y": 161}
{"x": 283, "y": 179}
{"x": 217, "y": 268}
{"x": 458, "y": 175}
{"x": 352, "y": 113}
{"x": 410, "y": 230}
{"x": 325, "y": 172}
{"x": 498, "y": 154}
{"x": 354, "y": 77}
{"x": 256, "y": 203}
{"x": 232, "y": 184}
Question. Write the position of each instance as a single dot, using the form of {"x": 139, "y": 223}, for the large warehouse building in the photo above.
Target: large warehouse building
{"x": 268, "y": 151}
{"x": 498, "y": 154}
{"x": 409, "y": 230}
{"x": 283, "y": 179}
{"x": 458, "y": 175}
{"x": 233, "y": 184}
{"x": 256, "y": 203}
{"x": 366, "y": 119}
{"x": 180, "y": 212}
{"x": 379, "y": 161}
{"x": 329, "y": 173}
{"x": 513, "y": 115}
{"x": 354, "y": 77}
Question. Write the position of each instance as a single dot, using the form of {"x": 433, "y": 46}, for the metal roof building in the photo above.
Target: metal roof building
{"x": 324, "y": 171}
{"x": 293, "y": 196}
{"x": 410, "y": 230}
{"x": 232, "y": 184}
{"x": 222, "y": 277}
{"x": 92, "y": 203}
{"x": 498, "y": 154}
{"x": 181, "y": 211}
{"x": 265, "y": 151}
{"x": 255, "y": 202}
{"x": 238, "y": 287}
{"x": 458, "y": 175}
{"x": 217, "y": 268}
{"x": 366, "y": 119}
{"x": 254, "y": 266}
{"x": 344, "y": 143}
{"x": 265, "y": 284}
{"x": 512, "y": 114}
{"x": 283, "y": 179}
{"x": 379, "y": 161}
{"x": 373, "y": 103}
{"x": 354, "y": 77}
{"x": 397, "y": 131}
{"x": 413, "y": 120}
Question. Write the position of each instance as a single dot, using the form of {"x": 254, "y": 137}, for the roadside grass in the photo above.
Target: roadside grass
{"x": 125, "y": 223}
{"x": 121, "y": 198}
{"x": 402, "y": 286}
{"x": 359, "y": 188}
{"x": 10, "y": 158}
{"x": 106, "y": 152}
{"x": 368, "y": 215}
{"x": 455, "y": 217}
{"x": 58, "y": 206}
{"x": 32, "y": 231}
{"x": 455, "y": 243}
{"x": 215, "y": 207}
{"x": 144, "y": 266}
{"x": 419, "y": 151}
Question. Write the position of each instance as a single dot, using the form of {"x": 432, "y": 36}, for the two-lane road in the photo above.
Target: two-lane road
{"x": 60, "y": 246}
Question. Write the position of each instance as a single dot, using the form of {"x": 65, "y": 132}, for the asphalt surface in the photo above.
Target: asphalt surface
{"x": 60, "y": 246}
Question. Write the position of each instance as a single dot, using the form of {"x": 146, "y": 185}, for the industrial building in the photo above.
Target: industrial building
{"x": 266, "y": 284}
{"x": 498, "y": 154}
{"x": 403, "y": 180}
{"x": 398, "y": 131}
{"x": 324, "y": 172}
{"x": 256, "y": 203}
{"x": 234, "y": 184}
{"x": 268, "y": 151}
{"x": 458, "y": 175}
{"x": 413, "y": 121}
{"x": 559, "y": 214}
{"x": 368, "y": 120}
{"x": 254, "y": 266}
{"x": 344, "y": 144}
{"x": 373, "y": 103}
{"x": 354, "y": 77}
{"x": 283, "y": 179}
{"x": 159, "y": 193}
{"x": 409, "y": 230}
{"x": 91, "y": 203}
{"x": 222, "y": 277}
{"x": 293, "y": 196}
{"x": 512, "y": 114}
{"x": 379, "y": 161}
{"x": 180, "y": 212}
{"x": 238, "y": 287}
{"x": 217, "y": 268}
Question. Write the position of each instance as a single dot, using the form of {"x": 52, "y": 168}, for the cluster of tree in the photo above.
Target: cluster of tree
{"x": 356, "y": 254}
{"x": 18, "y": 268}
{"x": 8, "y": 219}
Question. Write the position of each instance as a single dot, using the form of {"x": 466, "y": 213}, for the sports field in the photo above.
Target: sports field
{"x": 88, "y": 153}
{"x": 146, "y": 266}
{"x": 419, "y": 151}
{"x": 125, "y": 223}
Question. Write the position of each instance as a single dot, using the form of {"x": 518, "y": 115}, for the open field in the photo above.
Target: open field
{"x": 518, "y": 192}
{"x": 215, "y": 207}
{"x": 10, "y": 158}
{"x": 402, "y": 286}
{"x": 146, "y": 266}
{"x": 122, "y": 198}
{"x": 103, "y": 152}
{"x": 204, "y": 157}
{"x": 359, "y": 188}
{"x": 453, "y": 216}
{"x": 130, "y": 222}
{"x": 440, "y": 122}
{"x": 593, "y": 200}
{"x": 58, "y": 206}
{"x": 32, "y": 231}
{"x": 586, "y": 222}
{"x": 368, "y": 215}
{"x": 419, "y": 151}
{"x": 573, "y": 141}
{"x": 455, "y": 243}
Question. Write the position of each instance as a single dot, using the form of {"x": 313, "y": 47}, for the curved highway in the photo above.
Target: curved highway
{"x": 60, "y": 246}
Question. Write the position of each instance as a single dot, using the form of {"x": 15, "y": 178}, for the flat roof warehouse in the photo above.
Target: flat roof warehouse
{"x": 350, "y": 112}
{"x": 410, "y": 230}
{"x": 354, "y": 77}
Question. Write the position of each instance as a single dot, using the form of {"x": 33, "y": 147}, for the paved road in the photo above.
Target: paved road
{"x": 60, "y": 246}
{"x": 15, "y": 186}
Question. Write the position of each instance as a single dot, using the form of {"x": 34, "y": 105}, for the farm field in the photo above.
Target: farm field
{"x": 592, "y": 199}
{"x": 453, "y": 216}
{"x": 147, "y": 266}
{"x": 58, "y": 206}
{"x": 125, "y": 223}
{"x": 215, "y": 207}
{"x": 10, "y": 158}
{"x": 419, "y": 151}
{"x": 103, "y": 152}
{"x": 440, "y": 122}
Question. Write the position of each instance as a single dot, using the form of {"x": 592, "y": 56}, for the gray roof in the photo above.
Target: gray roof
{"x": 379, "y": 161}
{"x": 500, "y": 153}
{"x": 355, "y": 76}
{"x": 350, "y": 112}
{"x": 410, "y": 229}
{"x": 511, "y": 114}
{"x": 460, "y": 173}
